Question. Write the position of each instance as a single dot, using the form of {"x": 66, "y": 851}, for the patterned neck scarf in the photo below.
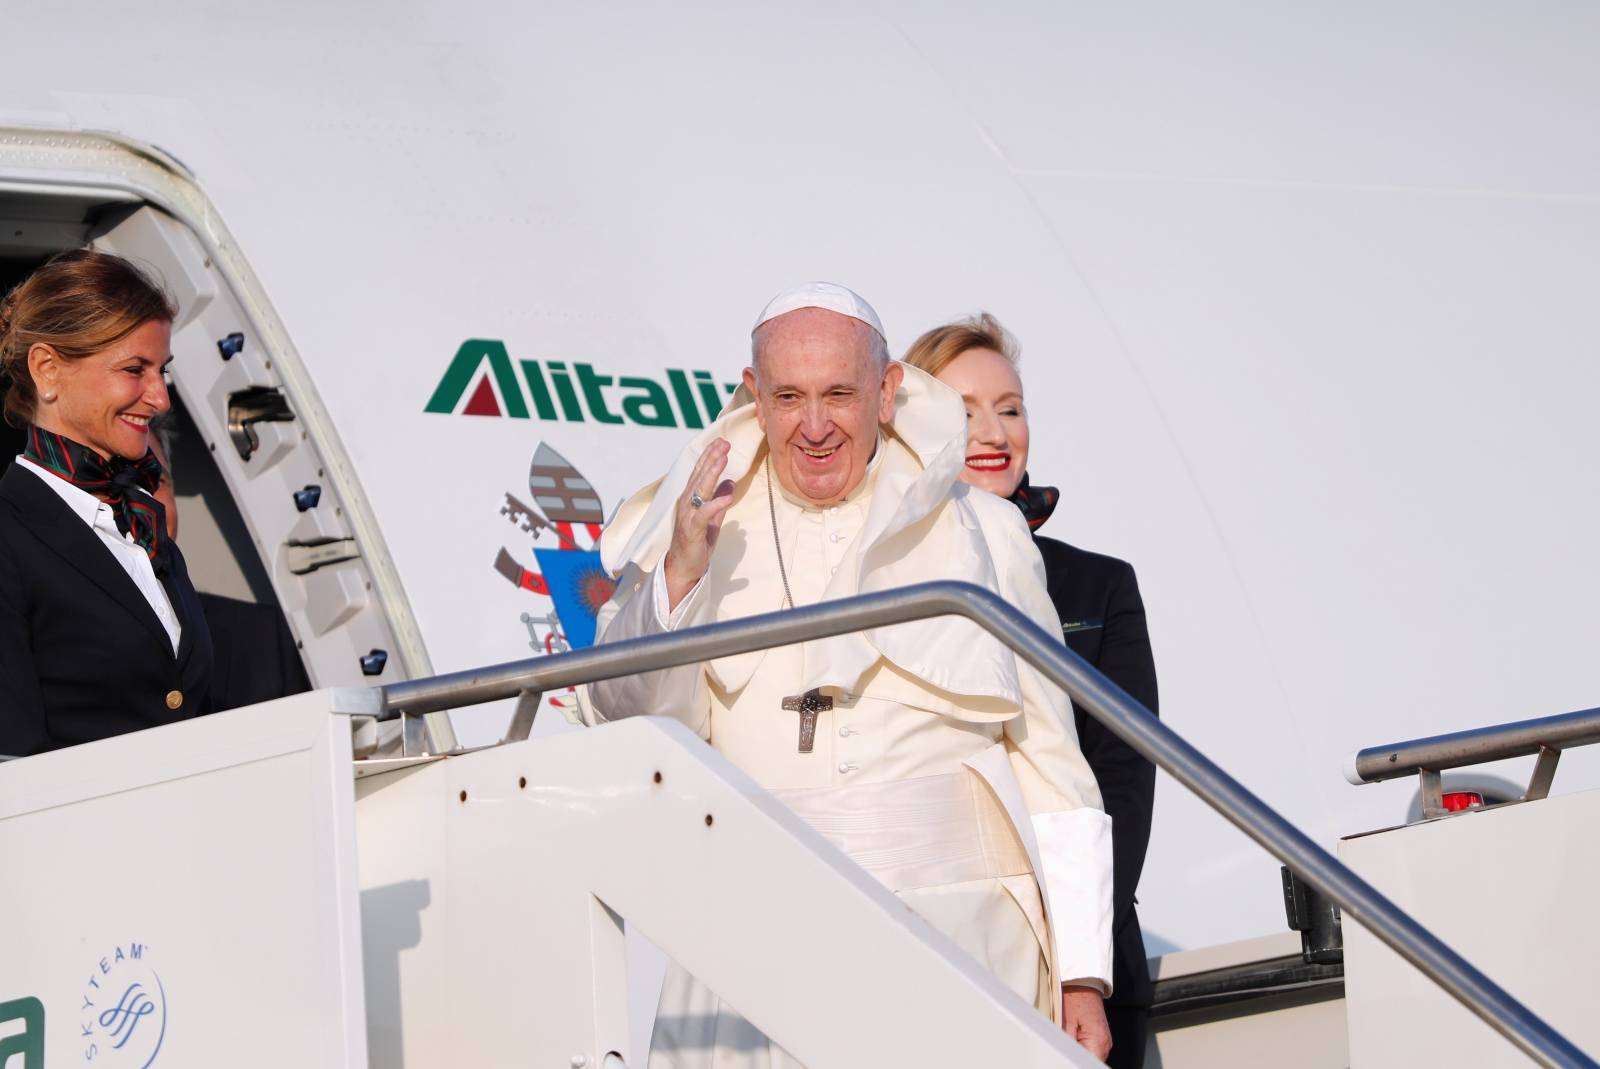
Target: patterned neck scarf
{"x": 113, "y": 481}
{"x": 1036, "y": 502}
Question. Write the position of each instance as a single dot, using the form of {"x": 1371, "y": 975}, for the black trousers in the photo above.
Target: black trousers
{"x": 1130, "y": 1030}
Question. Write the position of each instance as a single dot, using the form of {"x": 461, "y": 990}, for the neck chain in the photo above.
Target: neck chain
{"x": 777, "y": 544}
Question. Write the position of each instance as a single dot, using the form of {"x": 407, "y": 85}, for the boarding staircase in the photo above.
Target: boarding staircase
{"x": 469, "y": 908}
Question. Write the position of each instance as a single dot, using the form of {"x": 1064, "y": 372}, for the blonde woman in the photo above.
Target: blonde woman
{"x": 1103, "y": 621}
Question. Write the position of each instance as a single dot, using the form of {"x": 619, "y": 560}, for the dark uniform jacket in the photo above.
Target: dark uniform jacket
{"x": 82, "y": 654}
{"x": 1103, "y": 621}
{"x": 256, "y": 659}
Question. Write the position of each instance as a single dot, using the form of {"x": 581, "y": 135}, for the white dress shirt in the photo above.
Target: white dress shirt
{"x": 127, "y": 552}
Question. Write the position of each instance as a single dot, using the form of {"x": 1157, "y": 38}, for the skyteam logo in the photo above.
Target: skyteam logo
{"x": 483, "y": 380}
{"x": 123, "y": 1019}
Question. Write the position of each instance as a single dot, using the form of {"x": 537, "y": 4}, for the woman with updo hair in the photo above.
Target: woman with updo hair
{"x": 1102, "y": 618}
{"x": 101, "y": 632}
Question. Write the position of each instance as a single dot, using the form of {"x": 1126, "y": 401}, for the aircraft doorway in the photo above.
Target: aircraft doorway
{"x": 242, "y": 608}
{"x": 262, "y": 522}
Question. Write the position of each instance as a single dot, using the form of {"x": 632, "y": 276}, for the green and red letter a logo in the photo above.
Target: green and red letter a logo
{"x": 464, "y": 368}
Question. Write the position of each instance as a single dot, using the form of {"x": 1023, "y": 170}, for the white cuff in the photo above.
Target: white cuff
{"x": 668, "y": 619}
{"x": 1075, "y": 852}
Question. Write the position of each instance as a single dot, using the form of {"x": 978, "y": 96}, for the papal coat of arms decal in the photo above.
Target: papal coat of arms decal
{"x": 562, "y": 523}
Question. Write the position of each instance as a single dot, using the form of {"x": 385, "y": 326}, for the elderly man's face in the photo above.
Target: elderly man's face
{"x": 820, "y": 396}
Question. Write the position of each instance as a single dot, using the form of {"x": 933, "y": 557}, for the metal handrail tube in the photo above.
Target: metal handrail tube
{"x": 1105, "y": 700}
{"x": 1475, "y": 746}
{"x": 633, "y": 656}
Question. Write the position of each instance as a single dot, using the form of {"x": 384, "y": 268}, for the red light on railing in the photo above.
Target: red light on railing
{"x": 1456, "y": 801}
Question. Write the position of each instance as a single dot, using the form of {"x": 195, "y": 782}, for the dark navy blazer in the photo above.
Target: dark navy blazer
{"x": 82, "y": 654}
{"x": 1103, "y": 621}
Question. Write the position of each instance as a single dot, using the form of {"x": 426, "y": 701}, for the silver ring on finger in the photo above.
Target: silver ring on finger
{"x": 695, "y": 501}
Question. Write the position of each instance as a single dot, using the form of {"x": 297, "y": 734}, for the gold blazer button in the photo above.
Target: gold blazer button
{"x": 174, "y": 699}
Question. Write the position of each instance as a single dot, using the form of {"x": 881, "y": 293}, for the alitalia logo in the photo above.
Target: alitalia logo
{"x": 483, "y": 380}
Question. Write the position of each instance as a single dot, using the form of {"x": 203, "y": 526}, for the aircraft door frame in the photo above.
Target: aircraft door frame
{"x": 254, "y": 405}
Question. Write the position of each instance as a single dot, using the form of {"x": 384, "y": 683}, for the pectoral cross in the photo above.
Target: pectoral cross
{"x": 808, "y": 705}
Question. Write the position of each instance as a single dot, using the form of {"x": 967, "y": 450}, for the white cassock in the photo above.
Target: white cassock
{"x": 946, "y": 767}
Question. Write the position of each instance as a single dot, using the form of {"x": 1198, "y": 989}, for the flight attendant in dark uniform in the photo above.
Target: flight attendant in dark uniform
{"x": 1103, "y": 621}
{"x": 100, "y": 629}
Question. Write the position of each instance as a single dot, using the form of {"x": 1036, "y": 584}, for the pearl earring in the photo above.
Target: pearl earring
{"x": 49, "y": 397}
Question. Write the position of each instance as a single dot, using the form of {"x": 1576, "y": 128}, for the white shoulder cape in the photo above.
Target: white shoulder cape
{"x": 922, "y": 524}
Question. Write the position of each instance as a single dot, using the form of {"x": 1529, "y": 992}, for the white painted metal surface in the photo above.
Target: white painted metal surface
{"x": 491, "y": 923}
{"x": 192, "y": 892}
{"x": 1303, "y": 1033}
{"x": 1183, "y": 963}
{"x": 1513, "y": 889}
{"x": 201, "y": 878}
{"x": 1305, "y": 1030}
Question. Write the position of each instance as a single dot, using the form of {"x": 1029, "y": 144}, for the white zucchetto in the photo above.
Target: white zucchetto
{"x": 828, "y": 295}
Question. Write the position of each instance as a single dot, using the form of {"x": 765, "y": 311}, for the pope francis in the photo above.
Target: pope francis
{"x": 927, "y": 752}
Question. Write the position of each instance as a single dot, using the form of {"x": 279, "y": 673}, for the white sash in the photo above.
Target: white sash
{"x": 916, "y": 833}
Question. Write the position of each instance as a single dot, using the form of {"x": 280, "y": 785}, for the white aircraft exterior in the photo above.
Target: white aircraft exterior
{"x": 1305, "y": 297}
